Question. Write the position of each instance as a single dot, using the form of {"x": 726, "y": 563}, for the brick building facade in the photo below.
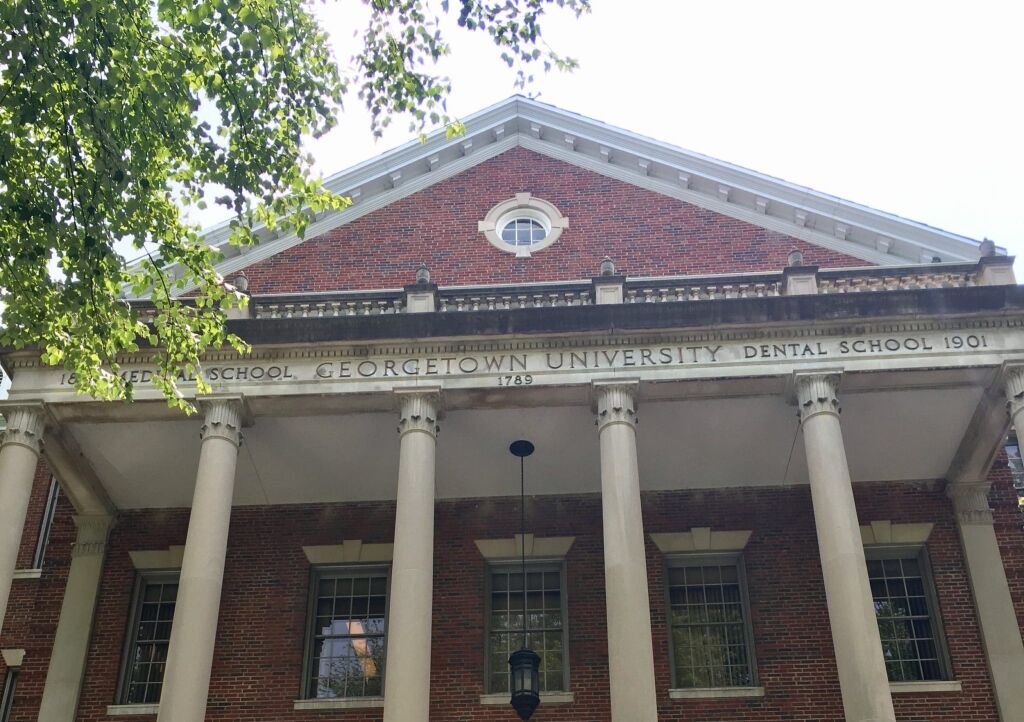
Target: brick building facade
{"x": 702, "y": 541}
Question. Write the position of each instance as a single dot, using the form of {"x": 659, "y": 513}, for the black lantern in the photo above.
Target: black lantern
{"x": 524, "y": 664}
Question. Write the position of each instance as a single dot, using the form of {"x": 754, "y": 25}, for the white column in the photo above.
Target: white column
{"x": 630, "y": 653}
{"x": 407, "y": 671}
{"x": 19, "y": 455}
{"x": 74, "y": 627}
{"x": 190, "y": 652}
{"x": 858, "y": 647}
{"x": 997, "y": 618}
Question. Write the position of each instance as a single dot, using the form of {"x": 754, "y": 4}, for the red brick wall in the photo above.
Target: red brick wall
{"x": 34, "y": 605}
{"x": 258, "y": 659}
{"x": 647, "y": 234}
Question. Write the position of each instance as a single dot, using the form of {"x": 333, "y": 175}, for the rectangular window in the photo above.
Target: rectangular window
{"x": 1016, "y": 463}
{"x": 150, "y": 635}
{"x": 545, "y": 616}
{"x": 347, "y": 633}
{"x": 905, "y": 608}
{"x": 7, "y": 700}
{"x": 711, "y": 638}
{"x": 47, "y": 523}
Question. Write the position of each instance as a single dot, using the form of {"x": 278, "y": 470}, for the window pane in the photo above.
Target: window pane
{"x": 544, "y": 620}
{"x": 145, "y": 662}
{"x": 709, "y": 638}
{"x": 904, "y": 620}
{"x": 348, "y": 636}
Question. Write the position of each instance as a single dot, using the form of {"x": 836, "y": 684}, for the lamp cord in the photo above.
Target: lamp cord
{"x": 522, "y": 534}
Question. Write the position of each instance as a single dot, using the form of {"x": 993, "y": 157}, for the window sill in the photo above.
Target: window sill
{"x": 339, "y": 703}
{"x": 715, "y": 692}
{"x": 545, "y": 698}
{"x": 126, "y": 710}
{"x": 922, "y": 687}
{"x": 28, "y": 573}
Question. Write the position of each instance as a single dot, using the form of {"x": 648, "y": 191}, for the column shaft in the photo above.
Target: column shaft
{"x": 190, "y": 652}
{"x": 407, "y": 672}
{"x": 74, "y": 627}
{"x": 997, "y": 618}
{"x": 630, "y": 651}
{"x": 19, "y": 455}
{"x": 858, "y": 647}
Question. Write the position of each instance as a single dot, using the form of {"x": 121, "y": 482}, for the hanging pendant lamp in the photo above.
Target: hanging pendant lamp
{"x": 524, "y": 663}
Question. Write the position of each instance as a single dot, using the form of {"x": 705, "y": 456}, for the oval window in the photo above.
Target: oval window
{"x": 522, "y": 231}
{"x": 523, "y": 225}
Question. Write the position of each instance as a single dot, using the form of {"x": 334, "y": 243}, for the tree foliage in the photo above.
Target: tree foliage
{"x": 117, "y": 114}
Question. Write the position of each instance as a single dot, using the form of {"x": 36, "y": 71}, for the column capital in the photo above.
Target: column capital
{"x": 615, "y": 401}
{"x": 419, "y": 409}
{"x": 92, "y": 534}
{"x": 25, "y": 423}
{"x": 1013, "y": 387}
{"x": 816, "y": 393}
{"x": 225, "y": 415}
{"x": 970, "y": 502}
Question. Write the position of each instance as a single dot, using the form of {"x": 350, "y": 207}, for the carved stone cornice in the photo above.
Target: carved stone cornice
{"x": 419, "y": 410}
{"x": 1013, "y": 383}
{"x": 225, "y": 416}
{"x": 25, "y": 423}
{"x": 970, "y": 502}
{"x": 816, "y": 393}
{"x": 615, "y": 402}
{"x": 92, "y": 534}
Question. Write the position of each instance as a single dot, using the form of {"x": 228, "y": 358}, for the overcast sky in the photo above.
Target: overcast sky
{"x": 909, "y": 107}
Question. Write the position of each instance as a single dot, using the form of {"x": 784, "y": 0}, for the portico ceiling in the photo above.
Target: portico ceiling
{"x": 691, "y": 436}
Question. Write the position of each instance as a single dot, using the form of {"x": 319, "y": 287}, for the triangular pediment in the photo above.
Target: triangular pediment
{"x": 825, "y": 221}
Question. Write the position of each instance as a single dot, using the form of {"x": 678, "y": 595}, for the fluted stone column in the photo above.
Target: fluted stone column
{"x": 996, "y": 616}
{"x": 19, "y": 455}
{"x": 858, "y": 647}
{"x": 190, "y": 652}
{"x": 630, "y": 653}
{"x": 74, "y": 627}
{"x": 407, "y": 676}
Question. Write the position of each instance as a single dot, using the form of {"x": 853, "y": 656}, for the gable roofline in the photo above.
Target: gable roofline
{"x": 824, "y": 220}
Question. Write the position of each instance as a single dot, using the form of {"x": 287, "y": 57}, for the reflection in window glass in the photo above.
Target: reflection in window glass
{"x": 545, "y": 623}
{"x": 46, "y": 524}
{"x": 348, "y": 635}
{"x": 523, "y": 232}
{"x": 147, "y": 653}
{"x": 7, "y": 694}
{"x": 904, "y": 619}
{"x": 709, "y": 633}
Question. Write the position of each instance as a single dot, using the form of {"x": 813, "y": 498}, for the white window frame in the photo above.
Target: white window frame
{"x": 318, "y": 572}
{"x": 533, "y": 565}
{"x": 675, "y": 561}
{"x": 142, "y": 579}
{"x": 523, "y": 205}
{"x": 46, "y": 524}
{"x": 7, "y": 695}
{"x": 881, "y": 552}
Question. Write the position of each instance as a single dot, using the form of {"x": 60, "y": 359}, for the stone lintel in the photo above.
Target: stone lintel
{"x": 886, "y": 532}
{"x": 554, "y": 547}
{"x": 12, "y": 657}
{"x": 350, "y": 551}
{"x": 158, "y": 559}
{"x": 701, "y": 539}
